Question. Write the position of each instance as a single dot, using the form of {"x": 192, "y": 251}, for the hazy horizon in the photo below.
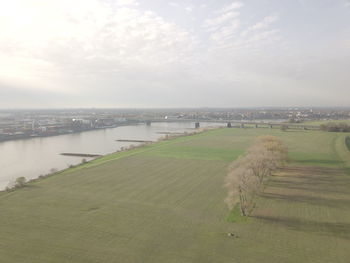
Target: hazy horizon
{"x": 129, "y": 54}
{"x": 178, "y": 108}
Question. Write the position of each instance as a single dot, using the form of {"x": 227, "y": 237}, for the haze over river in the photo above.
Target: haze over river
{"x": 37, "y": 156}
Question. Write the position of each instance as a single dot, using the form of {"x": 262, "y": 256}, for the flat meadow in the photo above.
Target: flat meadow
{"x": 165, "y": 203}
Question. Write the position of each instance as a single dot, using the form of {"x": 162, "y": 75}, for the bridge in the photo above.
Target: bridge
{"x": 238, "y": 124}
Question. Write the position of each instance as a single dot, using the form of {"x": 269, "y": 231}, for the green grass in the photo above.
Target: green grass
{"x": 200, "y": 153}
{"x": 235, "y": 216}
{"x": 165, "y": 203}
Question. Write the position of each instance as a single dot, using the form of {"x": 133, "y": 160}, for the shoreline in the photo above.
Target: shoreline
{"x": 124, "y": 152}
{"x": 28, "y": 137}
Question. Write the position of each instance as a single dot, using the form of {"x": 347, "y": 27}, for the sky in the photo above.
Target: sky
{"x": 172, "y": 54}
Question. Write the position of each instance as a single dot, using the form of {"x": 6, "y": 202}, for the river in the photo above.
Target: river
{"x": 37, "y": 156}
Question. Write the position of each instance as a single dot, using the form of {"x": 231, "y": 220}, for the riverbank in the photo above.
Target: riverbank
{"x": 38, "y": 156}
{"x": 100, "y": 159}
{"x": 14, "y": 137}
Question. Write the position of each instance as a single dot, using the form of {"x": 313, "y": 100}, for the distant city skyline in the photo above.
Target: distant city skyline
{"x": 173, "y": 54}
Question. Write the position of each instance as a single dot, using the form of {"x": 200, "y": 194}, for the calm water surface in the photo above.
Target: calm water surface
{"x": 36, "y": 156}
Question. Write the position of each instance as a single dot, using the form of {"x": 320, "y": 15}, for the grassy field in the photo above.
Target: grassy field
{"x": 164, "y": 203}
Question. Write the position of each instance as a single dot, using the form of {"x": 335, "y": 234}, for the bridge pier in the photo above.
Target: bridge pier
{"x": 256, "y": 125}
{"x": 148, "y": 123}
{"x": 197, "y": 125}
{"x": 270, "y": 126}
{"x": 229, "y": 125}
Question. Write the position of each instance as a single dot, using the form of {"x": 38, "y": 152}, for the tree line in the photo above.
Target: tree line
{"x": 335, "y": 127}
{"x": 248, "y": 173}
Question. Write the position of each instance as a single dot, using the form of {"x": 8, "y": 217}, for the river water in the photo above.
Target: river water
{"x": 37, "y": 156}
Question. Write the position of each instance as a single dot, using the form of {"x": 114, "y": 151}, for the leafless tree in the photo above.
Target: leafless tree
{"x": 242, "y": 186}
{"x": 247, "y": 174}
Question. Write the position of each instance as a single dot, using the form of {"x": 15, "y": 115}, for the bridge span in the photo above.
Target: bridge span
{"x": 239, "y": 124}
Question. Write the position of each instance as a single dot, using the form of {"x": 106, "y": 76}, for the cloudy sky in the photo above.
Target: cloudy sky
{"x": 174, "y": 53}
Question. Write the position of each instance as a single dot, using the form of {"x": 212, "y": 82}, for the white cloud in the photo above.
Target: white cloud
{"x": 127, "y": 3}
{"x": 267, "y": 21}
{"x": 301, "y": 2}
{"x": 189, "y": 8}
{"x": 234, "y": 40}
{"x": 258, "y": 27}
{"x": 230, "y": 7}
{"x": 214, "y": 23}
{"x": 91, "y": 39}
{"x": 174, "y": 4}
{"x": 108, "y": 52}
{"x": 225, "y": 17}
{"x": 226, "y": 32}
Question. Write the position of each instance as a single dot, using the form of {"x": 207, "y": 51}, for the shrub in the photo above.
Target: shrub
{"x": 335, "y": 127}
{"x": 20, "y": 182}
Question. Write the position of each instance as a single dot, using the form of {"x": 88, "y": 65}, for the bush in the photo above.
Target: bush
{"x": 335, "y": 127}
{"x": 20, "y": 182}
{"x": 53, "y": 170}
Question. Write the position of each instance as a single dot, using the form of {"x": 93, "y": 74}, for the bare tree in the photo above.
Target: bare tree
{"x": 247, "y": 174}
{"x": 272, "y": 145}
{"x": 242, "y": 186}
